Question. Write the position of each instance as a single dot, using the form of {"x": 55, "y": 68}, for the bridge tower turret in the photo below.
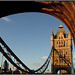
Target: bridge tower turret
{"x": 61, "y": 42}
{"x": 69, "y": 38}
{"x": 52, "y": 39}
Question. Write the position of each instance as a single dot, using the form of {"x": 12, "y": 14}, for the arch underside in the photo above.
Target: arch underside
{"x": 63, "y": 10}
{"x": 68, "y": 71}
{"x": 56, "y": 68}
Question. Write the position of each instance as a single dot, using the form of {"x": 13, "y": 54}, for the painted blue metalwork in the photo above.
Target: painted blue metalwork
{"x": 48, "y": 60}
{"x": 11, "y": 61}
{"x": 42, "y": 69}
{"x": 45, "y": 65}
{"x": 45, "y": 68}
{"x": 11, "y": 53}
{"x": 72, "y": 59}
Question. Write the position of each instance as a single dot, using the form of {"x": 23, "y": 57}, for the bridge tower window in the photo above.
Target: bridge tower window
{"x": 60, "y": 61}
{"x": 57, "y": 42}
{"x": 66, "y": 52}
{"x": 64, "y": 43}
{"x": 61, "y": 42}
{"x": 61, "y": 37}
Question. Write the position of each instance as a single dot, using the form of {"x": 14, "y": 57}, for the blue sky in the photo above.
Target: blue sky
{"x": 28, "y": 35}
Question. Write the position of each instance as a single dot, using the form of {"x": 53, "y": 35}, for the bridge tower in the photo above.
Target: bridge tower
{"x": 61, "y": 42}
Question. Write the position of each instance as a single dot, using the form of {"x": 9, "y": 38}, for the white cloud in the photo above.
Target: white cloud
{"x": 39, "y": 64}
{"x": 6, "y": 19}
{"x": 35, "y": 64}
{"x": 43, "y": 58}
{"x": 73, "y": 57}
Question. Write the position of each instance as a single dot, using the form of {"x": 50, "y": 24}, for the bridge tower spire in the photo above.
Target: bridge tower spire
{"x": 61, "y": 41}
{"x": 52, "y": 38}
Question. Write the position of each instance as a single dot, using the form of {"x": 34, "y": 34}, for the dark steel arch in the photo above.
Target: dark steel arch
{"x": 63, "y": 10}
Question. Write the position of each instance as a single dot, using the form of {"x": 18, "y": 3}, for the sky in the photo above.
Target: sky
{"x": 28, "y": 36}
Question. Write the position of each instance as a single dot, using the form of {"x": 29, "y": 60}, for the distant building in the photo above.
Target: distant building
{"x": 5, "y": 65}
{"x": 0, "y": 68}
{"x": 16, "y": 72}
{"x": 61, "y": 42}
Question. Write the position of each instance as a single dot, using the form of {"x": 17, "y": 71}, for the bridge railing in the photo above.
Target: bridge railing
{"x": 45, "y": 65}
{"x": 11, "y": 53}
{"x": 10, "y": 60}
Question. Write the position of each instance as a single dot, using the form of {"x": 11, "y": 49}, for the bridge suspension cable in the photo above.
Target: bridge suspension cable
{"x": 72, "y": 66}
{"x": 45, "y": 65}
{"x": 8, "y": 53}
{"x": 27, "y": 70}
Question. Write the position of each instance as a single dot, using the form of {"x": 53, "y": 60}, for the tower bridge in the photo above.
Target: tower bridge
{"x": 63, "y": 10}
{"x": 60, "y": 55}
